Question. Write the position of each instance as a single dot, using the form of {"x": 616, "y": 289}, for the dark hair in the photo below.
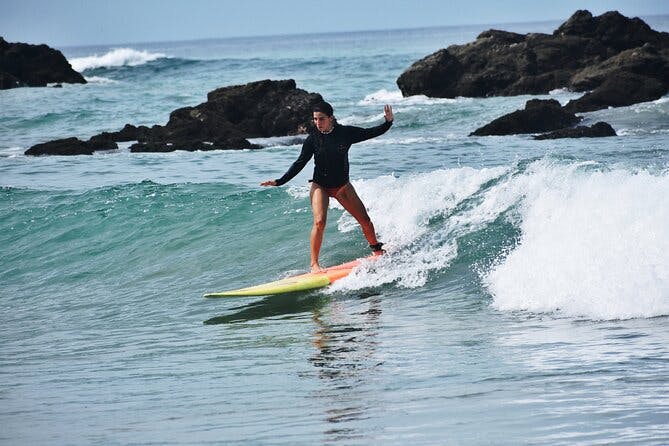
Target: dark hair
{"x": 323, "y": 107}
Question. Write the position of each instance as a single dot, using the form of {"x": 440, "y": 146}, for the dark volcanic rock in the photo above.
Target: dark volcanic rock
{"x": 130, "y": 133}
{"x": 598, "y": 130}
{"x": 582, "y": 54}
{"x": 193, "y": 145}
{"x": 231, "y": 115}
{"x": 66, "y": 146}
{"x": 435, "y": 76}
{"x": 646, "y": 60}
{"x": 258, "y": 109}
{"x": 96, "y": 143}
{"x": 25, "y": 65}
{"x": 615, "y": 31}
{"x": 8, "y": 81}
{"x": 619, "y": 90}
{"x": 538, "y": 116}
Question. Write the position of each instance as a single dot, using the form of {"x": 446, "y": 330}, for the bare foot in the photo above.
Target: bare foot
{"x": 316, "y": 268}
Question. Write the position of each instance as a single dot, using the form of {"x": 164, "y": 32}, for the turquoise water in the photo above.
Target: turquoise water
{"x": 524, "y": 299}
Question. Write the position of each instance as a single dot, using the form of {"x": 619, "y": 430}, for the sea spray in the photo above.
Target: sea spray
{"x": 404, "y": 211}
{"x": 592, "y": 241}
{"x": 395, "y": 97}
{"x": 593, "y": 244}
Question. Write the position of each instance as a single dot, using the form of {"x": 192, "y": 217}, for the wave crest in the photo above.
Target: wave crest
{"x": 117, "y": 57}
{"x": 592, "y": 244}
{"x": 543, "y": 236}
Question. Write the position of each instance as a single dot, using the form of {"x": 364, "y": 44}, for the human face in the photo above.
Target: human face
{"x": 323, "y": 122}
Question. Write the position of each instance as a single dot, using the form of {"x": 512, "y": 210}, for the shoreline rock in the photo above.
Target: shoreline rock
{"x": 26, "y": 65}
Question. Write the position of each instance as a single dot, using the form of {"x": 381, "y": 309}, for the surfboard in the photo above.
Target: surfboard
{"x": 302, "y": 282}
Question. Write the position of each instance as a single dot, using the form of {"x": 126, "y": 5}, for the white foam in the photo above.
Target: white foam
{"x": 360, "y": 120}
{"x": 115, "y": 58}
{"x": 395, "y": 97}
{"x": 559, "y": 91}
{"x": 276, "y": 141}
{"x": 99, "y": 80}
{"x": 401, "y": 209}
{"x": 593, "y": 244}
{"x": 564, "y": 95}
{"x": 12, "y": 152}
{"x": 593, "y": 241}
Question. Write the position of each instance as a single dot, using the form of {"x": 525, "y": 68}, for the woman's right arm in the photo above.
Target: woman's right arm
{"x": 301, "y": 161}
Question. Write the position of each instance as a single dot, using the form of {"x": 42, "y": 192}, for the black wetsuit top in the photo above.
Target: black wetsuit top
{"x": 330, "y": 152}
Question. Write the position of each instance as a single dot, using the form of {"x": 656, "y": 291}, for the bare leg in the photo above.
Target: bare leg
{"x": 348, "y": 198}
{"x": 319, "y": 207}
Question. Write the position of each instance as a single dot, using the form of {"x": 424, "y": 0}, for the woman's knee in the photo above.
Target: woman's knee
{"x": 319, "y": 223}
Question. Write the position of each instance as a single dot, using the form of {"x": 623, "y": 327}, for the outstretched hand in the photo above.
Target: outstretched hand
{"x": 388, "y": 113}
{"x": 268, "y": 183}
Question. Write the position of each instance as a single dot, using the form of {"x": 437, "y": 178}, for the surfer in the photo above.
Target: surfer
{"x": 329, "y": 144}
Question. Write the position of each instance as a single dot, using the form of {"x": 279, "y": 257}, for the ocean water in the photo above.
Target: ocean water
{"x": 524, "y": 299}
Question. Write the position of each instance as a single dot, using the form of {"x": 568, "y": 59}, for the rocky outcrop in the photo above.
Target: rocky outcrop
{"x": 225, "y": 121}
{"x": 598, "y": 130}
{"x": 25, "y": 65}
{"x": 71, "y": 146}
{"x": 618, "y": 90}
{"x": 538, "y": 116}
{"x": 584, "y": 53}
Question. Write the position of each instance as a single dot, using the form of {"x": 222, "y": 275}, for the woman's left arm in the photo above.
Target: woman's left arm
{"x": 361, "y": 134}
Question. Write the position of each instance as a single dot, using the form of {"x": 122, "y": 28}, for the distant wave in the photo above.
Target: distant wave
{"x": 117, "y": 57}
{"x": 99, "y": 80}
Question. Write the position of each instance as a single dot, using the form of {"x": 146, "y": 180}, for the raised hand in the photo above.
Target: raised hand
{"x": 388, "y": 113}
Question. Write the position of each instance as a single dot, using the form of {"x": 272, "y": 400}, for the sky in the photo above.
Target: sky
{"x": 61, "y": 23}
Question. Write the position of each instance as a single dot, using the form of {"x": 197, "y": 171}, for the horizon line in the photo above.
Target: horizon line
{"x": 327, "y": 33}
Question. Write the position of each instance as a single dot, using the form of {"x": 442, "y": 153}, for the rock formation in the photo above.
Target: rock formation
{"x": 538, "y": 116}
{"x": 225, "y": 121}
{"x": 622, "y": 60}
{"x": 597, "y": 130}
{"x": 25, "y": 65}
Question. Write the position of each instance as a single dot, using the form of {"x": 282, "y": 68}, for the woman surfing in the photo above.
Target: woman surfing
{"x": 329, "y": 144}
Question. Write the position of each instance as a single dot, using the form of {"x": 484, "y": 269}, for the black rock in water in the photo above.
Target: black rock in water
{"x": 583, "y": 54}
{"x": 598, "y": 130}
{"x": 623, "y": 88}
{"x": 25, "y": 65}
{"x": 70, "y": 146}
{"x": 230, "y": 115}
{"x": 538, "y": 116}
